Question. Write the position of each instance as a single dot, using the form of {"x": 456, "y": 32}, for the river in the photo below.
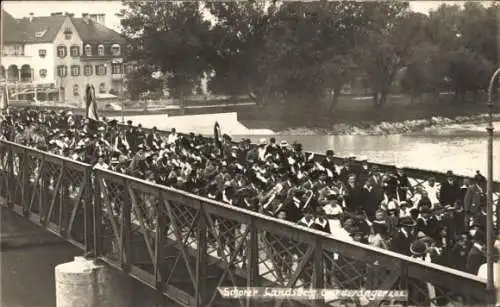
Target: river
{"x": 461, "y": 148}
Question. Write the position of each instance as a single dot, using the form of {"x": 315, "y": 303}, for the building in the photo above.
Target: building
{"x": 54, "y": 57}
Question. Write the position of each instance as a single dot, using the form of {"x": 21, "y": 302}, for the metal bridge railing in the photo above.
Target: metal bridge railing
{"x": 185, "y": 245}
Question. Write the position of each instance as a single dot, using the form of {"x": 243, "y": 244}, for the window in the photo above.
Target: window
{"x": 42, "y": 53}
{"x": 87, "y": 70}
{"x": 62, "y": 70}
{"x": 75, "y": 51}
{"x": 67, "y": 33}
{"x": 18, "y": 50}
{"x": 115, "y": 50}
{"x": 61, "y": 51}
{"x": 102, "y": 88}
{"x": 75, "y": 70}
{"x": 100, "y": 50}
{"x": 76, "y": 92}
{"x": 116, "y": 68}
{"x": 88, "y": 50}
{"x": 42, "y": 73}
{"x": 100, "y": 70}
{"x": 40, "y": 33}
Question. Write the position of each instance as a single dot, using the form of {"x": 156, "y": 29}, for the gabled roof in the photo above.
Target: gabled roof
{"x": 48, "y": 24}
{"x": 12, "y": 31}
{"x": 94, "y": 31}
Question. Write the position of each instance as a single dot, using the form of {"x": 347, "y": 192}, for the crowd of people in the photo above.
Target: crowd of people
{"x": 443, "y": 222}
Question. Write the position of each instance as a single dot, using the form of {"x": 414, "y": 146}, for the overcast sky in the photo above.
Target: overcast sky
{"x": 20, "y": 9}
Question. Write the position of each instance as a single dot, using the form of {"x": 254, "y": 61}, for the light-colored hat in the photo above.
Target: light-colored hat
{"x": 263, "y": 141}
{"x": 284, "y": 143}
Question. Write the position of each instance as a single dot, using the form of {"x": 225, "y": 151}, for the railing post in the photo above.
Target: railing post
{"x": 97, "y": 214}
{"x": 43, "y": 189}
{"x": 403, "y": 281}
{"x": 11, "y": 177}
{"x": 201, "y": 259}
{"x": 160, "y": 236}
{"x": 252, "y": 256}
{"x": 88, "y": 215}
{"x": 318, "y": 281}
{"x": 125, "y": 253}
{"x": 62, "y": 202}
{"x": 24, "y": 197}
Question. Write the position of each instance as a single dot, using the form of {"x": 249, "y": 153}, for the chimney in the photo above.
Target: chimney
{"x": 93, "y": 17}
{"x": 85, "y": 17}
{"x": 31, "y": 17}
{"x": 101, "y": 18}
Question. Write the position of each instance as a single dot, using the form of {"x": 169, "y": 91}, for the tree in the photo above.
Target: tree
{"x": 140, "y": 81}
{"x": 238, "y": 34}
{"x": 390, "y": 32}
{"x": 172, "y": 37}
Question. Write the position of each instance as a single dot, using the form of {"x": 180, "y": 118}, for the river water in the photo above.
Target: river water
{"x": 461, "y": 148}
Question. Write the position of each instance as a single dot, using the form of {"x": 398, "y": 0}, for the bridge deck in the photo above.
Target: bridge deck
{"x": 185, "y": 246}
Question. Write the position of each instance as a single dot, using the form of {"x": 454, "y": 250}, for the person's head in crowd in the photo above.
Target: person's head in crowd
{"x": 450, "y": 177}
{"x": 173, "y": 131}
{"x": 356, "y": 233}
{"x": 425, "y": 212}
{"x": 281, "y": 214}
{"x": 284, "y": 144}
{"x": 297, "y": 147}
{"x": 431, "y": 180}
{"x": 351, "y": 179}
{"x": 329, "y": 153}
{"x": 272, "y": 141}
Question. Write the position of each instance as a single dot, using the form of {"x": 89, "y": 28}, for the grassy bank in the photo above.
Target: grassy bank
{"x": 359, "y": 112}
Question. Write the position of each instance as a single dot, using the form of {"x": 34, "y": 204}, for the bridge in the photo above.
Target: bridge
{"x": 185, "y": 246}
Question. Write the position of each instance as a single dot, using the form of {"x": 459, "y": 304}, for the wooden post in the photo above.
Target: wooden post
{"x": 201, "y": 260}
{"x": 24, "y": 197}
{"x": 125, "y": 252}
{"x": 88, "y": 211}
{"x": 318, "y": 281}
{"x": 252, "y": 256}
{"x": 97, "y": 215}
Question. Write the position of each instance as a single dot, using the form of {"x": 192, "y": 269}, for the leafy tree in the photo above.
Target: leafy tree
{"x": 390, "y": 32}
{"x": 238, "y": 35}
{"x": 172, "y": 37}
{"x": 140, "y": 81}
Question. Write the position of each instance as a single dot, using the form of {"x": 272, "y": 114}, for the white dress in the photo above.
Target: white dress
{"x": 335, "y": 227}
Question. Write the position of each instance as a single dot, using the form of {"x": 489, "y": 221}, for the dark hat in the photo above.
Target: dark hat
{"x": 356, "y": 230}
{"x": 113, "y": 122}
{"x": 129, "y": 122}
{"x": 449, "y": 173}
{"x": 418, "y": 248}
{"x": 407, "y": 221}
{"x": 329, "y": 152}
{"x": 425, "y": 210}
{"x": 479, "y": 236}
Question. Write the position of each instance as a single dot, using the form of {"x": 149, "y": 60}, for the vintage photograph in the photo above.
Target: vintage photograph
{"x": 249, "y": 153}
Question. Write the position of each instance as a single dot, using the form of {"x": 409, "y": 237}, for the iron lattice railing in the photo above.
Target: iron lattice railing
{"x": 186, "y": 246}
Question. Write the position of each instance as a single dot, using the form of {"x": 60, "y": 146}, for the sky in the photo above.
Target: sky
{"x": 20, "y": 9}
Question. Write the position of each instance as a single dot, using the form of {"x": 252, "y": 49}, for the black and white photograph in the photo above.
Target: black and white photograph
{"x": 249, "y": 153}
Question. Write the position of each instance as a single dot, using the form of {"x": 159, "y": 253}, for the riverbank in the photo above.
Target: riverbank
{"x": 356, "y": 116}
{"x": 388, "y": 128}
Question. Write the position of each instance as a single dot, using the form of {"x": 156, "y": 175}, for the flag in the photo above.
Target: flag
{"x": 4, "y": 98}
{"x": 90, "y": 103}
{"x": 217, "y": 135}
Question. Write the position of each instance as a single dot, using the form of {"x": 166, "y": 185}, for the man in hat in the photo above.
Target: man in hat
{"x": 404, "y": 236}
{"x": 476, "y": 255}
{"x": 130, "y": 136}
{"x": 329, "y": 164}
{"x": 450, "y": 190}
{"x": 472, "y": 200}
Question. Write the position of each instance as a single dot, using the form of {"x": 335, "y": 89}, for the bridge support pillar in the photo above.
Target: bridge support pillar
{"x": 84, "y": 283}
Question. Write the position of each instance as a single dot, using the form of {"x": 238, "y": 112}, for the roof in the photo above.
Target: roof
{"x": 94, "y": 31}
{"x": 12, "y": 30}
{"x": 50, "y": 24}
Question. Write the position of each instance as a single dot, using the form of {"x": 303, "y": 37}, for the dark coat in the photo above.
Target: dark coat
{"x": 401, "y": 243}
{"x": 472, "y": 199}
{"x": 449, "y": 193}
{"x": 475, "y": 259}
{"x": 353, "y": 199}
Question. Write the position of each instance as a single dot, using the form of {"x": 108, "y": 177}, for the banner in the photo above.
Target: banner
{"x": 4, "y": 98}
{"x": 90, "y": 103}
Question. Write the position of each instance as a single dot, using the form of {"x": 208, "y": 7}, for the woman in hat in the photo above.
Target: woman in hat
{"x": 418, "y": 291}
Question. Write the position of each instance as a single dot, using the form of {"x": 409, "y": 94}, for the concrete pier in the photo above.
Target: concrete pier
{"x": 84, "y": 283}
